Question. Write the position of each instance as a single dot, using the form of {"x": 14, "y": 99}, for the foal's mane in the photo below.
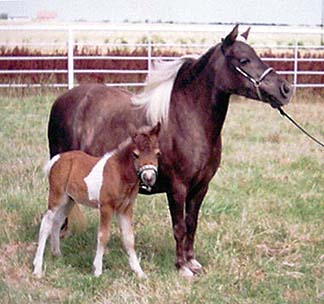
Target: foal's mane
{"x": 156, "y": 95}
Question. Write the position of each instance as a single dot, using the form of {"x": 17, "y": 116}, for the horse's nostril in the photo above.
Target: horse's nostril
{"x": 285, "y": 89}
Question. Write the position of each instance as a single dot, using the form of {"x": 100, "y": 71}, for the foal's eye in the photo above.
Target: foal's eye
{"x": 244, "y": 61}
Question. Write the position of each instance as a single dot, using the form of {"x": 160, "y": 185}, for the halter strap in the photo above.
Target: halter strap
{"x": 140, "y": 172}
{"x": 255, "y": 82}
{"x": 147, "y": 167}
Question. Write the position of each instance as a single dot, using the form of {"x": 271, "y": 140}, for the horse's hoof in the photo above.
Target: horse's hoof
{"x": 186, "y": 273}
{"x": 195, "y": 266}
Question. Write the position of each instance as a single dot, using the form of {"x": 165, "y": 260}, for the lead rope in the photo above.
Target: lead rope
{"x": 283, "y": 113}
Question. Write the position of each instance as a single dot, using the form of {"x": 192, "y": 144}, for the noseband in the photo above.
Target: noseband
{"x": 140, "y": 173}
{"x": 255, "y": 82}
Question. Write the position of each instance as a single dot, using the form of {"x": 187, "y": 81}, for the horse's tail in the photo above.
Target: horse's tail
{"x": 77, "y": 220}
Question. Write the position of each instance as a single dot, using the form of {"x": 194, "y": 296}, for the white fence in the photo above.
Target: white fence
{"x": 149, "y": 31}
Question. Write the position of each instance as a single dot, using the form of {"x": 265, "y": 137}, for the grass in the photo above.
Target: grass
{"x": 260, "y": 235}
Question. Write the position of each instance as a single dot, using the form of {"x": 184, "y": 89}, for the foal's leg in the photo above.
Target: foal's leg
{"x": 125, "y": 220}
{"x": 59, "y": 219}
{"x": 45, "y": 229}
{"x": 192, "y": 210}
{"x": 106, "y": 213}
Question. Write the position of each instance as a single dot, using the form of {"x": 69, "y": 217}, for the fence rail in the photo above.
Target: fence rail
{"x": 149, "y": 45}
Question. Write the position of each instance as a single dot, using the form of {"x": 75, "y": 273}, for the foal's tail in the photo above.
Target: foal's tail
{"x": 48, "y": 166}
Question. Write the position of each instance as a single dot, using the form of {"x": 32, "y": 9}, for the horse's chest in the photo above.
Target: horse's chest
{"x": 191, "y": 160}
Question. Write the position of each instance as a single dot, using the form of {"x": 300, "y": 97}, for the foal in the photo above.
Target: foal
{"x": 109, "y": 183}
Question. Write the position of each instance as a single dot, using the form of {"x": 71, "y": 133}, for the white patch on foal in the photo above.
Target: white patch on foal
{"x": 95, "y": 178}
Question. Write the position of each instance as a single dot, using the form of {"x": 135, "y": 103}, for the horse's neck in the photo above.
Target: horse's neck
{"x": 196, "y": 97}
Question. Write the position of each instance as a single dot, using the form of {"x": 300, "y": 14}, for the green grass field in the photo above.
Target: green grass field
{"x": 260, "y": 235}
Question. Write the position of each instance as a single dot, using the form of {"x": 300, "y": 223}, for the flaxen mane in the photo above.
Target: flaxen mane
{"x": 157, "y": 93}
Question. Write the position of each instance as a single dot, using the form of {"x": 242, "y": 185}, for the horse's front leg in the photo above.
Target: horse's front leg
{"x": 176, "y": 205}
{"x": 193, "y": 204}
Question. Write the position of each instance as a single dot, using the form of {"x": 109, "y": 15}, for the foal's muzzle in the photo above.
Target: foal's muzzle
{"x": 148, "y": 175}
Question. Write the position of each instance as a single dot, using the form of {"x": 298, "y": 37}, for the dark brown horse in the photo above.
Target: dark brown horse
{"x": 190, "y": 97}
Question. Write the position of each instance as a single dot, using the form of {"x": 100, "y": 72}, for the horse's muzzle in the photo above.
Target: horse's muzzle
{"x": 286, "y": 90}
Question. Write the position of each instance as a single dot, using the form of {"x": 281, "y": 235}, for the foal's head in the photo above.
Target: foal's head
{"x": 145, "y": 150}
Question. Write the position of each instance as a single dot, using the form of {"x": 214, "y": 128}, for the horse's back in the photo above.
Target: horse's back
{"x": 79, "y": 119}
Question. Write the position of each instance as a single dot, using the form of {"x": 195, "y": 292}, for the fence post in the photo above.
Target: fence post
{"x": 149, "y": 53}
{"x": 295, "y": 81}
{"x": 70, "y": 60}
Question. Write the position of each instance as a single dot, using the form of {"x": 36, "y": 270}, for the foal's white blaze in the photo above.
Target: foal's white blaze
{"x": 95, "y": 178}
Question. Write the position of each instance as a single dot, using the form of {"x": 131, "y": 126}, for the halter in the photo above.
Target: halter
{"x": 140, "y": 173}
{"x": 255, "y": 82}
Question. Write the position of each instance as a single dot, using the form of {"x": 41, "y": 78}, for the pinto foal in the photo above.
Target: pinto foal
{"x": 109, "y": 183}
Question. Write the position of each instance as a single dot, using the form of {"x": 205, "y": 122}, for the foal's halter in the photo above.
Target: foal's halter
{"x": 140, "y": 173}
{"x": 245, "y": 74}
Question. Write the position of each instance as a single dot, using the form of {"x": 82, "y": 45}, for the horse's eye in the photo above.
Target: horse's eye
{"x": 244, "y": 61}
{"x": 136, "y": 154}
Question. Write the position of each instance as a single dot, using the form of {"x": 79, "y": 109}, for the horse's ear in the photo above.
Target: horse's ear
{"x": 231, "y": 37}
{"x": 156, "y": 129}
{"x": 245, "y": 35}
{"x": 132, "y": 131}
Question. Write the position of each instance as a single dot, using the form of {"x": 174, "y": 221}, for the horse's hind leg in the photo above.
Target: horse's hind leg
{"x": 45, "y": 230}
{"x": 60, "y": 216}
{"x": 106, "y": 213}
{"x": 125, "y": 220}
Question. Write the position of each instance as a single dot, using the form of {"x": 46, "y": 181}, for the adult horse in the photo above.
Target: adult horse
{"x": 190, "y": 98}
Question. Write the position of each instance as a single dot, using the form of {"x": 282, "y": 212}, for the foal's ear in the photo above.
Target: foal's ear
{"x": 231, "y": 37}
{"x": 156, "y": 129}
{"x": 245, "y": 35}
{"x": 132, "y": 131}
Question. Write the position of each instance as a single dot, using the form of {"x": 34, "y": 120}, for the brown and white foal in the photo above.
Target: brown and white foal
{"x": 109, "y": 183}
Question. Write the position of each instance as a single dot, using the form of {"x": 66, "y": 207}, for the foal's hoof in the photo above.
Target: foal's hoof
{"x": 37, "y": 274}
{"x": 56, "y": 253}
{"x": 186, "y": 273}
{"x": 142, "y": 275}
{"x": 65, "y": 233}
